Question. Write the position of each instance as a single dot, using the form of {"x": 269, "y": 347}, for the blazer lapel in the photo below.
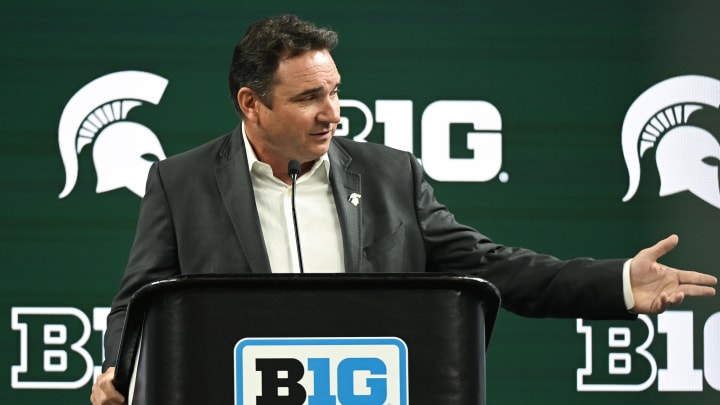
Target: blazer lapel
{"x": 233, "y": 180}
{"x": 344, "y": 182}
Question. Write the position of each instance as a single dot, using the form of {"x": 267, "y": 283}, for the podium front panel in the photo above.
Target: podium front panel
{"x": 190, "y": 333}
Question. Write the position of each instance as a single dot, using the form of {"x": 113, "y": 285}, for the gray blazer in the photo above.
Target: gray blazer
{"x": 199, "y": 216}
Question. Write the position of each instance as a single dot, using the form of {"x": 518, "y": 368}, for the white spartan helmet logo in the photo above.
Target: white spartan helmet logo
{"x": 687, "y": 156}
{"x": 98, "y": 112}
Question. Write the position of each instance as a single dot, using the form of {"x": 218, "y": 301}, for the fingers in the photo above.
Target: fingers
{"x": 693, "y": 277}
{"x": 694, "y": 284}
{"x": 101, "y": 397}
{"x": 692, "y": 290}
{"x": 661, "y": 248}
{"x": 672, "y": 299}
{"x": 104, "y": 392}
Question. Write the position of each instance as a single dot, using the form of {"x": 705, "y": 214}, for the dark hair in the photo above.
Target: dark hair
{"x": 257, "y": 55}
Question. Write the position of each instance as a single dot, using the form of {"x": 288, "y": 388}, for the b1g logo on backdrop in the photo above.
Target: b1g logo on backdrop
{"x": 483, "y": 141}
{"x": 322, "y": 371}
{"x": 54, "y": 352}
{"x": 687, "y": 156}
{"x": 629, "y": 358}
{"x": 98, "y": 113}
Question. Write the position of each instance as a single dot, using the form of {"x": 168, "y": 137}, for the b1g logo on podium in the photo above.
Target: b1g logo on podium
{"x": 321, "y": 371}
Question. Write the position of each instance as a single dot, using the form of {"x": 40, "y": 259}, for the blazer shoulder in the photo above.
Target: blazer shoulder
{"x": 211, "y": 153}
{"x": 366, "y": 148}
{"x": 375, "y": 158}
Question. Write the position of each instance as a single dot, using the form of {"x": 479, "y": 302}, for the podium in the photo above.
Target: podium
{"x": 388, "y": 338}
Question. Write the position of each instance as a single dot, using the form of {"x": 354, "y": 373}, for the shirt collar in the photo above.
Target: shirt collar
{"x": 260, "y": 167}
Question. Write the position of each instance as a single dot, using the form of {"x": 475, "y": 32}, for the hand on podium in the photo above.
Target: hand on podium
{"x": 656, "y": 287}
{"x": 104, "y": 392}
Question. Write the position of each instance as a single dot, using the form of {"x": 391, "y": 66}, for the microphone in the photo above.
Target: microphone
{"x": 294, "y": 172}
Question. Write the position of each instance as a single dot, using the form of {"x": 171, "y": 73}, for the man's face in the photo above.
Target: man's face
{"x": 304, "y": 114}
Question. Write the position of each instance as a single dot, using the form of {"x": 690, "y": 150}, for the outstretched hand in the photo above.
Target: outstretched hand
{"x": 655, "y": 287}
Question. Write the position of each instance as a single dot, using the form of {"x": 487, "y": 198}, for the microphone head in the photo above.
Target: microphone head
{"x": 293, "y": 168}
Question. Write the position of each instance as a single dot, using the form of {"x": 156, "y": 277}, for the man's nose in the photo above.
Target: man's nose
{"x": 330, "y": 111}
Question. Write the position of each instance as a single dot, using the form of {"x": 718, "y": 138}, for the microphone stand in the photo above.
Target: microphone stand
{"x": 294, "y": 171}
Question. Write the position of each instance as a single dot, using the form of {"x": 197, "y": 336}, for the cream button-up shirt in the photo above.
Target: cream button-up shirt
{"x": 318, "y": 223}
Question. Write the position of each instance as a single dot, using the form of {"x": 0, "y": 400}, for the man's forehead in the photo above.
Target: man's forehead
{"x": 308, "y": 70}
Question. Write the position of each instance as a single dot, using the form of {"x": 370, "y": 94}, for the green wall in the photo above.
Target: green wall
{"x": 562, "y": 75}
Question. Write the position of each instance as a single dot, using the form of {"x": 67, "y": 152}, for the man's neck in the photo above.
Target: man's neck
{"x": 279, "y": 166}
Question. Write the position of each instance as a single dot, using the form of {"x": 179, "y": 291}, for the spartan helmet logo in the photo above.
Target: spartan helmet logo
{"x": 97, "y": 112}
{"x": 686, "y": 155}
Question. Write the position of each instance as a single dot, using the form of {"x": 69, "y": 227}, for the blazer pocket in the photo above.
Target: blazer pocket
{"x": 381, "y": 246}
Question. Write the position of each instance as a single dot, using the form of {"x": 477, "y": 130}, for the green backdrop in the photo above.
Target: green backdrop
{"x": 562, "y": 75}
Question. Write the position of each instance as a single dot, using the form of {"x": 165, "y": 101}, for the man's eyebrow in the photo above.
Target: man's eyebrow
{"x": 307, "y": 92}
{"x": 314, "y": 90}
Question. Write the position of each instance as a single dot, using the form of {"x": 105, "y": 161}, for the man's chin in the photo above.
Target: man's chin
{"x": 320, "y": 147}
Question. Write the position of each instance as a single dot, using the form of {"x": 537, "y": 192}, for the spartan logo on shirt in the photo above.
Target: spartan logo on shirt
{"x": 687, "y": 156}
{"x": 97, "y": 114}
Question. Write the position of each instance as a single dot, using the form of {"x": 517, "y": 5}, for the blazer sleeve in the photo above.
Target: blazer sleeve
{"x": 531, "y": 284}
{"x": 153, "y": 257}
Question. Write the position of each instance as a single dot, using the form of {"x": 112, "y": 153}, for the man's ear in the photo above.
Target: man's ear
{"x": 248, "y": 101}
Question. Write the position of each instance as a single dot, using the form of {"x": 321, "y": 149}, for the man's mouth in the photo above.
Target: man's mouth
{"x": 322, "y": 133}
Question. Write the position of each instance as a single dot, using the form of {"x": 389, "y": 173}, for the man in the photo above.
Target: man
{"x": 223, "y": 207}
